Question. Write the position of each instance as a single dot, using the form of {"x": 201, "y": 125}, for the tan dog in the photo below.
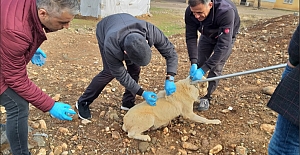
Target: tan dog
{"x": 142, "y": 117}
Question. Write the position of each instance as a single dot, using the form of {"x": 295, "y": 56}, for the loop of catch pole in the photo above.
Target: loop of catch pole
{"x": 241, "y": 73}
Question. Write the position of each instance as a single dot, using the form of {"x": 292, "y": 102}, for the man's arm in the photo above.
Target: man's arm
{"x": 114, "y": 61}
{"x": 13, "y": 70}
{"x": 191, "y": 35}
{"x": 293, "y": 48}
{"x": 165, "y": 47}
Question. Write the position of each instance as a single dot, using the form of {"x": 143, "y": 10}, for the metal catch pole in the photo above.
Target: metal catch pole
{"x": 241, "y": 73}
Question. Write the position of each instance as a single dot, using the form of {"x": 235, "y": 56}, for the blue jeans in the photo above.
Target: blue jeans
{"x": 17, "y": 111}
{"x": 285, "y": 140}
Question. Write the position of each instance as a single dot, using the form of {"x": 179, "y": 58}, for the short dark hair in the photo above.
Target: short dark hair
{"x": 56, "y": 7}
{"x": 194, "y": 3}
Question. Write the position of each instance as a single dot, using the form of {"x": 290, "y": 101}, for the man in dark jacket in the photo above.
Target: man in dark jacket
{"x": 285, "y": 101}
{"x": 122, "y": 37}
{"x": 218, "y": 22}
{"x": 22, "y": 27}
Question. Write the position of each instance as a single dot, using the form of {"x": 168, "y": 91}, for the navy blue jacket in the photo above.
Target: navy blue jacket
{"x": 285, "y": 99}
{"x": 223, "y": 15}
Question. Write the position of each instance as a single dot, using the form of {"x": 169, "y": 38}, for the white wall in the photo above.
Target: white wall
{"x": 103, "y": 8}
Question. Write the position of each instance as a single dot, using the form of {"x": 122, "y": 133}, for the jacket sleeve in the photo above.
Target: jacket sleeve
{"x": 13, "y": 69}
{"x": 114, "y": 58}
{"x": 224, "y": 42}
{"x": 191, "y": 35}
{"x": 293, "y": 48}
{"x": 165, "y": 47}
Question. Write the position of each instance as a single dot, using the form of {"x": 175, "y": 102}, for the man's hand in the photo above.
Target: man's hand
{"x": 39, "y": 57}
{"x": 62, "y": 111}
{"x": 193, "y": 69}
{"x": 198, "y": 75}
{"x": 150, "y": 97}
{"x": 170, "y": 86}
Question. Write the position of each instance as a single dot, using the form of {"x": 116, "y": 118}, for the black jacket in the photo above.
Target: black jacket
{"x": 223, "y": 15}
{"x": 111, "y": 32}
{"x": 285, "y": 99}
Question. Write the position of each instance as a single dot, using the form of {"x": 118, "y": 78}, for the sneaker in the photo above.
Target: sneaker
{"x": 204, "y": 104}
{"x": 127, "y": 105}
{"x": 83, "y": 111}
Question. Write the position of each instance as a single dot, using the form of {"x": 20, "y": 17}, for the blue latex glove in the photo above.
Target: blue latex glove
{"x": 198, "y": 74}
{"x": 170, "y": 87}
{"x": 150, "y": 97}
{"x": 286, "y": 71}
{"x": 62, "y": 111}
{"x": 39, "y": 57}
{"x": 193, "y": 69}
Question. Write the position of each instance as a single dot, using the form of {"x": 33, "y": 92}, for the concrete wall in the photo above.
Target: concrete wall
{"x": 264, "y": 4}
{"x": 285, "y": 6}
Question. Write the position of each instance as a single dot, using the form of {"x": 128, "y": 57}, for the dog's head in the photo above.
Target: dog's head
{"x": 184, "y": 87}
{"x": 202, "y": 87}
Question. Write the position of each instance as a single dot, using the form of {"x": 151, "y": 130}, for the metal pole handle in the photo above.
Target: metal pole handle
{"x": 241, "y": 73}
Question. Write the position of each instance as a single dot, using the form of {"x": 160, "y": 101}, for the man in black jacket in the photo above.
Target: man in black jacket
{"x": 218, "y": 22}
{"x": 122, "y": 37}
{"x": 285, "y": 101}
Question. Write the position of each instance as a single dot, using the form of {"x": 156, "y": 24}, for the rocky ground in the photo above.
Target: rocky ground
{"x": 73, "y": 59}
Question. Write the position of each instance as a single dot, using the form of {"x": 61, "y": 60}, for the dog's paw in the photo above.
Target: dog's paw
{"x": 141, "y": 137}
{"x": 146, "y": 138}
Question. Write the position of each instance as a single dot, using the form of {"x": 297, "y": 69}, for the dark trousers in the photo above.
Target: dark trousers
{"x": 17, "y": 111}
{"x": 104, "y": 77}
{"x": 206, "y": 47}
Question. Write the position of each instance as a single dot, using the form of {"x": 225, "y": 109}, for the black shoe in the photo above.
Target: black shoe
{"x": 204, "y": 104}
{"x": 127, "y": 105}
{"x": 83, "y": 110}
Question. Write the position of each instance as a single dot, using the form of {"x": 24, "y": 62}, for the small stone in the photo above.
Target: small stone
{"x": 56, "y": 97}
{"x": 35, "y": 125}
{"x": 64, "y": 146}
{"x": 189, "y": 146}
{"x": 115, "y": 135}
{"x": 143, "y": 146}
{"x": 268, "y": 90}
{"x": 184, "y": 138}
{"x": 2, "y": 110}
{"x": 63, "y": 130}
{"x": 102, "y": 113}
{"x": 166, "y": 130}
{"x": 42, "y": 151}
{"x": 267, "y": 127}
{"x": 79, "y": 147}
{"x": 58, "y": 150}
{"x": 216, "y": 149}
{"x": 240, "y": 150}
{"x": 182, "y": 152}
{"x": 51, "y": 153}
{"x": 65, "y": 153}
{"x": 172, "y": 147}
{"x": 43, "y": 124}
{"x": 204, "y": 143}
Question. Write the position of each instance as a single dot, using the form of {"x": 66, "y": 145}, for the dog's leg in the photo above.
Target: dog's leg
{"x": 138, "y": 126}
{"x": 136, "y": 133}
{"x": 197, "y": 118}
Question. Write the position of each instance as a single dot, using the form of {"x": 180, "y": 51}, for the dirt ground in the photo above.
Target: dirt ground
{"x": 73, "y": 59}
